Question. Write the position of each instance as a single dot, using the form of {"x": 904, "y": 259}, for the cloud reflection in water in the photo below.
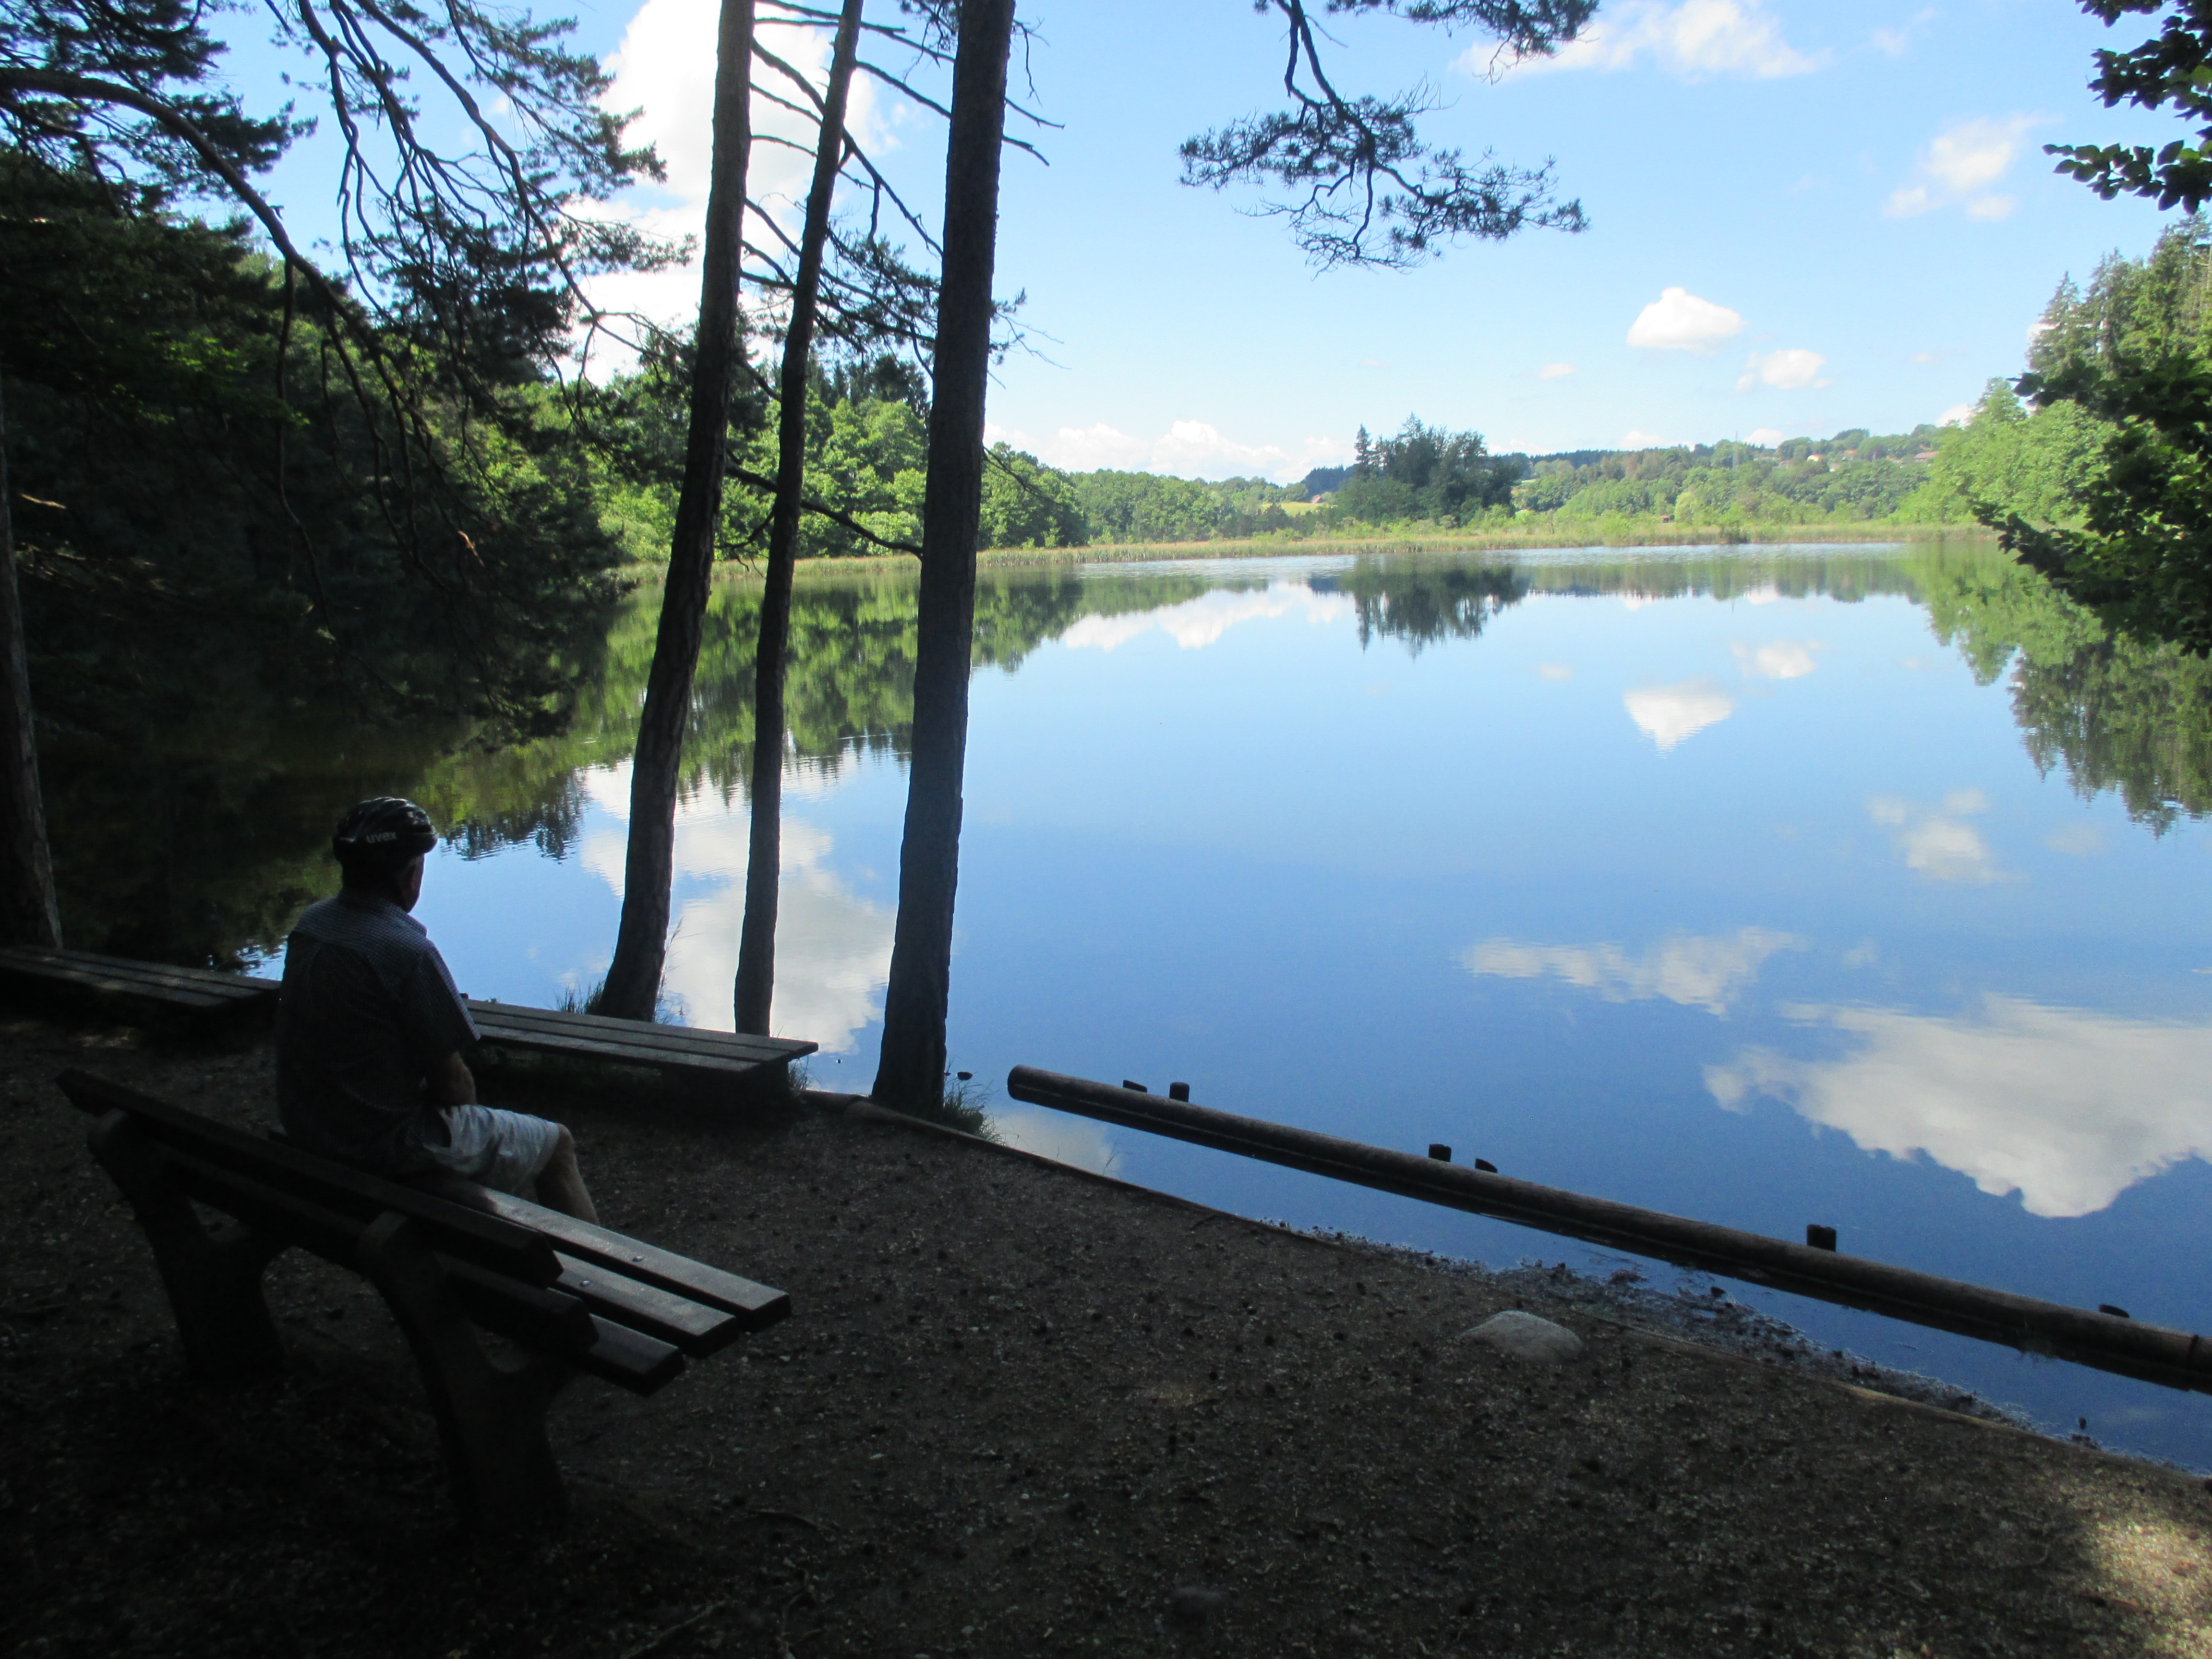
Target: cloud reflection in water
{"x": 2067, "y": 1108}
{"x": 1198, "y": 623}
{"x": 1668, "y": 714}
{"x": 1708, "y": 973}
{"x": 833, "y": 948}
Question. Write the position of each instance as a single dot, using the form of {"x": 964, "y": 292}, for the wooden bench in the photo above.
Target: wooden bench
{"x": 199, "y": 993}
{"x": 720, "y": 1055}
{"x": 452, "y": 1265}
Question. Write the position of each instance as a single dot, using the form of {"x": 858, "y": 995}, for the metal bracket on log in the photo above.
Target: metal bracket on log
{"x": 2176, "y": 1359}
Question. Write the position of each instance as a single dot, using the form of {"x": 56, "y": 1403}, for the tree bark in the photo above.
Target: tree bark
{"x": 29, "y": 913}
{"x": 911, "y": 1072}
{"x": 633, "y": 982}
{"x": 755, "y": 987}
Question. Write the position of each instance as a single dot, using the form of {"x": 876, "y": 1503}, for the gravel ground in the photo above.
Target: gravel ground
{"x": 1018, "y": 1411}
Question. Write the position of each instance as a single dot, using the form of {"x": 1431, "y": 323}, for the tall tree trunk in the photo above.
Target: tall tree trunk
{"x": 632, "y": 983}
{"x": 912, "y": 1071}
{"x": 756, "y": 988}
{"x": 29, "y": 914}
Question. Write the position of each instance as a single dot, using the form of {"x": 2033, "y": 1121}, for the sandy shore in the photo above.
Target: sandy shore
{"x": 1018, "y": 1411}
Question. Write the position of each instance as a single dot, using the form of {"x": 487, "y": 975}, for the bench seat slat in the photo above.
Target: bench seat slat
{"x": 760, "y": 1051}
{"x": 94, "y": 979}
{"x": 645, "y": 1033}
{"x": 755, "y": 1306}
{"x": 501, "y": 1243}
{"x": 215, "y": 979}
{"x": 191, "y": 987}
{"x": 594, "y": 1048}
{"x": 695, "y": 1327}
{"x": 629, "y": 1359}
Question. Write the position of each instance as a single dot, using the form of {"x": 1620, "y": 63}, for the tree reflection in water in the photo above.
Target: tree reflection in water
{"x": 198, "y": 845}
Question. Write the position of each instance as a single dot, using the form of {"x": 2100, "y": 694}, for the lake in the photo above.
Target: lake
{"x": 1859, "y": 886}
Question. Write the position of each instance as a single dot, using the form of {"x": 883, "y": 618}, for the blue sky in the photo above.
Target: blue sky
{"x": 1803, "y": 217}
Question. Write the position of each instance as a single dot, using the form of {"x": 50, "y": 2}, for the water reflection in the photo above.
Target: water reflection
{"x": 1668, "y": 714}
{"x": 1777, "y": 660}
{"x": 1709, "y": 973}
{"x": 202, "y": 846}
{"x": 1938, "y": 841}
{"x": 833, "y": 947}
{"x": 1196, "y": 623}
{"x": 2067, "y": 1109}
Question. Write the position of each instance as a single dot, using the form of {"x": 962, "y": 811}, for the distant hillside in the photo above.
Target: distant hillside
{"x": 1426, "y": 480}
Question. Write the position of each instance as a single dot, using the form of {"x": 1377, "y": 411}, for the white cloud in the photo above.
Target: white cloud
{"x": 1554, "y": 671}
{"x": 1678, "y": 320}
{"x": 1188, "y": 448}
{"x": 1079, "y": 448}
{"x": 1959, "y": 164}
{"x": 833, "y": 949}
{"x": 1698, "y": 972}
{"x": 1782, "y": 659}
{"x": 1693, "y": 39}
{"x": 1668, "y": 714}
{"x": 1957, "y": 415}
{"x": 665, "y": 69}
{"x": 1787, "y": 370}
{"x": 1196, "y": 624}
{"x": 1765, "y": 437}
{"x": 2067, "y": 1108}
{"x": 1938, "y": 841}
{"x": 1552, "y": 371}
{"x": 1634, "y": 440}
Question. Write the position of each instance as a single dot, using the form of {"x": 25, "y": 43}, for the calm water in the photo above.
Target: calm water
{"x": 1767, "y": 889}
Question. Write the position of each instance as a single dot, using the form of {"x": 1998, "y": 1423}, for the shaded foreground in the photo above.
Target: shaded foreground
{"x": 1017, "y": 1411}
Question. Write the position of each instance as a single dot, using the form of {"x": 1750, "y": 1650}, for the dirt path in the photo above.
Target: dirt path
{"x": 1017, "y": 1412}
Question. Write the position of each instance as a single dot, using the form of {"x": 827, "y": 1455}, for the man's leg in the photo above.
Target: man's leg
{"x": 560, "y": 1186}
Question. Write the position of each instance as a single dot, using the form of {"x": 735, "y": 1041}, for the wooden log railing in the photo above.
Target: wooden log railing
{"x": 2105, "y": 1341}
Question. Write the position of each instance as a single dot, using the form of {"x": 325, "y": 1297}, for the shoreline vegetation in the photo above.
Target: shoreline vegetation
{"x": 1599, "y": 534}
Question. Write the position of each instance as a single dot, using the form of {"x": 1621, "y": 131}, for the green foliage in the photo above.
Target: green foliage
{"x": 2008, "y": 462}
{"x": 1148, "y": 506}
{"x": 208, "y": 520}
{"x": 1852, "y": 476}
{"x": 2124, "y": 368}
{"x": 2174, "y": 67}
{"x": 1425, "y": 473}
{"x": 1028, "y": 504}
{"x": 2118, "y": 712}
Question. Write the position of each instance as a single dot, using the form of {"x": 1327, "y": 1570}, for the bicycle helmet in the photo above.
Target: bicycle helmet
{"x": 382, "y": 834}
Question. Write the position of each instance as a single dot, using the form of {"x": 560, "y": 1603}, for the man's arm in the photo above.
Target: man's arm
{"x": 451, "y": 1082}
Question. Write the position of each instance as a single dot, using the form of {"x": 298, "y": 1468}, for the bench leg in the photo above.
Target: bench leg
{"x": 213, "y": 1275}
{"x": 492, "y": 1416}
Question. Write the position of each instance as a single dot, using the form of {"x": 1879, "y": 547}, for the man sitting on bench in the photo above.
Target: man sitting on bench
{"x": 370, "y": 1031}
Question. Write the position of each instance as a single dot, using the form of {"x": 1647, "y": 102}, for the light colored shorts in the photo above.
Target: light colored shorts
{"x": 504, "y": 1151}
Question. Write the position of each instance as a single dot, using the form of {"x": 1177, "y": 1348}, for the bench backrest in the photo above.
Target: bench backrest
{"x": 499, "y": 1243}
